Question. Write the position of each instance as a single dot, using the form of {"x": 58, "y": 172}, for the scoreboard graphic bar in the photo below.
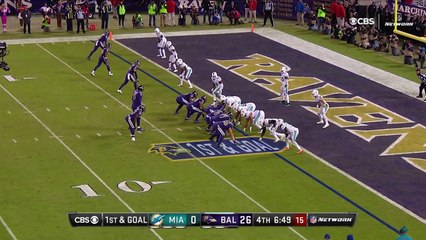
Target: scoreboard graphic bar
{"x": 211, "y": 219}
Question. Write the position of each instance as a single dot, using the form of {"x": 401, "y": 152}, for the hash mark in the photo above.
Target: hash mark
{"x": 36, "y": 139}
{"x": 14, "y": 140}
{"x": 9, "y": 112}
{"x": 199, "y": 127}
{"x": 105, "y": 106}
{"x": 99, "y": 135}
{"x": 78, "y": 136}
{"x": 119, "y": 133}
{"x": 86, "y": 107}
{"x": 179, "y": 129}
{"x": 47, "y": 109}
{"x": 67, "y": 108}
{"x": 161, "y": 103}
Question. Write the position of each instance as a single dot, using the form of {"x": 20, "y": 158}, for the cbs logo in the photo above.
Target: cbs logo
{"x": 361, "y": 21}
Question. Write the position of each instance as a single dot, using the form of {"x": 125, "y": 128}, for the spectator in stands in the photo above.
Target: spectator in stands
{"x": 233, "y": 14}
{"x": 121, "y": 9}
{"x": 393, "y": 40}
{"x": 312, "y": 21}
{"x": 106, "y": 5}
{"x": 69, "y": 17}
{"x": 163, "y": 13}
{"x": 333, "y": 9}
{"x": 20, "y": 7}
{"x": 268, "y": 11}
{"x": 171, "y": 8}
{"x": 4, "y": 11}
{"x": 349, "y": 36}
{"x": 321, "y": 12}
{"x": 45, "y": 10}
{"x": 327, "y": 26}
{"x": 373, "y": 36}
{"x": 221, "y": 7}
{"x": 206, "y": 7}
{"x": 114, "y": 6}
{"x": 383, "y": 44}
{"x": 26, "y": 17}
{"x": 363, "y": 35}
{"x": 371, "y": 10}
{"x": 403, "y": 231}
{"x": 215, "y": 18}
{"x": 85, "y": 10}
{"x": 182, "y": 16}
{"x": 194, "y": 15}
{"x": 152, "y": 11}
{"x": 407, "y": 50}
{"x": 253, "y": 7}
{"x": 137, "y": 20}
{"x": 421, "y": 56}
{"x": 45, "y": 24}
{"x": 91, "y": 4}
{"x": 99, "y": 3}
{"x": 340, "y": 15}
{"x": 80, "y": 16}
{"x": 246, "y": 9}
{"x": 337, "y": 33}
{"x": 300, "y": 11}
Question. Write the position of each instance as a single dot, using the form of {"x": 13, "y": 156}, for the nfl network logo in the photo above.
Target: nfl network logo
{"x": 313, "y": 220}
{"x": 361, "y": 21}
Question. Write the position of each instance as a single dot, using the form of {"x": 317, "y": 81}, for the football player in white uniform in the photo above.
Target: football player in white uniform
{"x": 185, "y": 74}
{"x": 323, "y": 108}
{"x": 230, "y": 101}
{"x": 253, "y": 118}
{"x": 284, "y": 86}
{"x": 161, "y": 43}
{"x": 290, "y": 135}
{"x": 250, "y": 107}
{"x": 217, "y": 86}
{"x": 269, "y": 123}
{"x": 173, "y": 56}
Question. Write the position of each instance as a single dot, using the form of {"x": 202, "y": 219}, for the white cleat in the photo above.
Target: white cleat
{"x": 190, "y": 86}
{"x": 325, "y": 126}
{"x": 159, "y": 55}
{"x": 169, "y": 69}
{"x": 175, "y": 70}
{"x": 320, "y": 122}
{"x": 92, "y": 73}
{"x": 118, "y": 90}
{"x": 163, "y": 57}
{"x": 133, "y": 139}
{"x": 110, "y": 73}
{"x": 180, "y": 85}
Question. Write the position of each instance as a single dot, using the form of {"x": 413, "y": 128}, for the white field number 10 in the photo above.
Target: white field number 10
{"x": 123, "y": 186}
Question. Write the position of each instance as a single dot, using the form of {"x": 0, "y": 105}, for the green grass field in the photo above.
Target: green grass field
{"x": 66, "y": 128}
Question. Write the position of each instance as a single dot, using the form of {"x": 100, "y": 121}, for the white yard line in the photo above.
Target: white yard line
{"x": 8, "y": 228}
{"x": 170, "y": 139}
{"x": 73, "y": 154}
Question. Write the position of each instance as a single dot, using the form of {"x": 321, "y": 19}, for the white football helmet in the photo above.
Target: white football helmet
{"x": 157, "y": 30}
{"x": 179, "y": 61}
{"x": 315, "y": 93}
{"x": 283, "y": 70}
{"x": 243, "y": 112}
{"x": 214, "y": 75}
{"x": 168, "y": 44}
{"x": 235, "y": 105}
{"x": 222, "y": 98}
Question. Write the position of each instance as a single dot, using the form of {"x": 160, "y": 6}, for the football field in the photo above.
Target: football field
{"x": 65, "y": 147}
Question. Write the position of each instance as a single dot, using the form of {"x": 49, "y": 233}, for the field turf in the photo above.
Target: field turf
{"x": 66, "y": 128}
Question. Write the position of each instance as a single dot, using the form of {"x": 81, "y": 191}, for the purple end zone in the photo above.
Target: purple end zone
{"x": 389, "y": 175}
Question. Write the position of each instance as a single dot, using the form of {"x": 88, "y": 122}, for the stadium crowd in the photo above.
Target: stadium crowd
{"x": 340, "y": 21}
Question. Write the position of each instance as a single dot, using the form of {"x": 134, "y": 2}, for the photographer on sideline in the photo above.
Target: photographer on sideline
{"x": 421, "y": 53}
{"x": 422, "y": 86}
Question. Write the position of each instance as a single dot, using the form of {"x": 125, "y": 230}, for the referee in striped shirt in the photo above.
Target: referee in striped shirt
{"x": 268, "y": 9}
{"x": 422, "y": 78}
